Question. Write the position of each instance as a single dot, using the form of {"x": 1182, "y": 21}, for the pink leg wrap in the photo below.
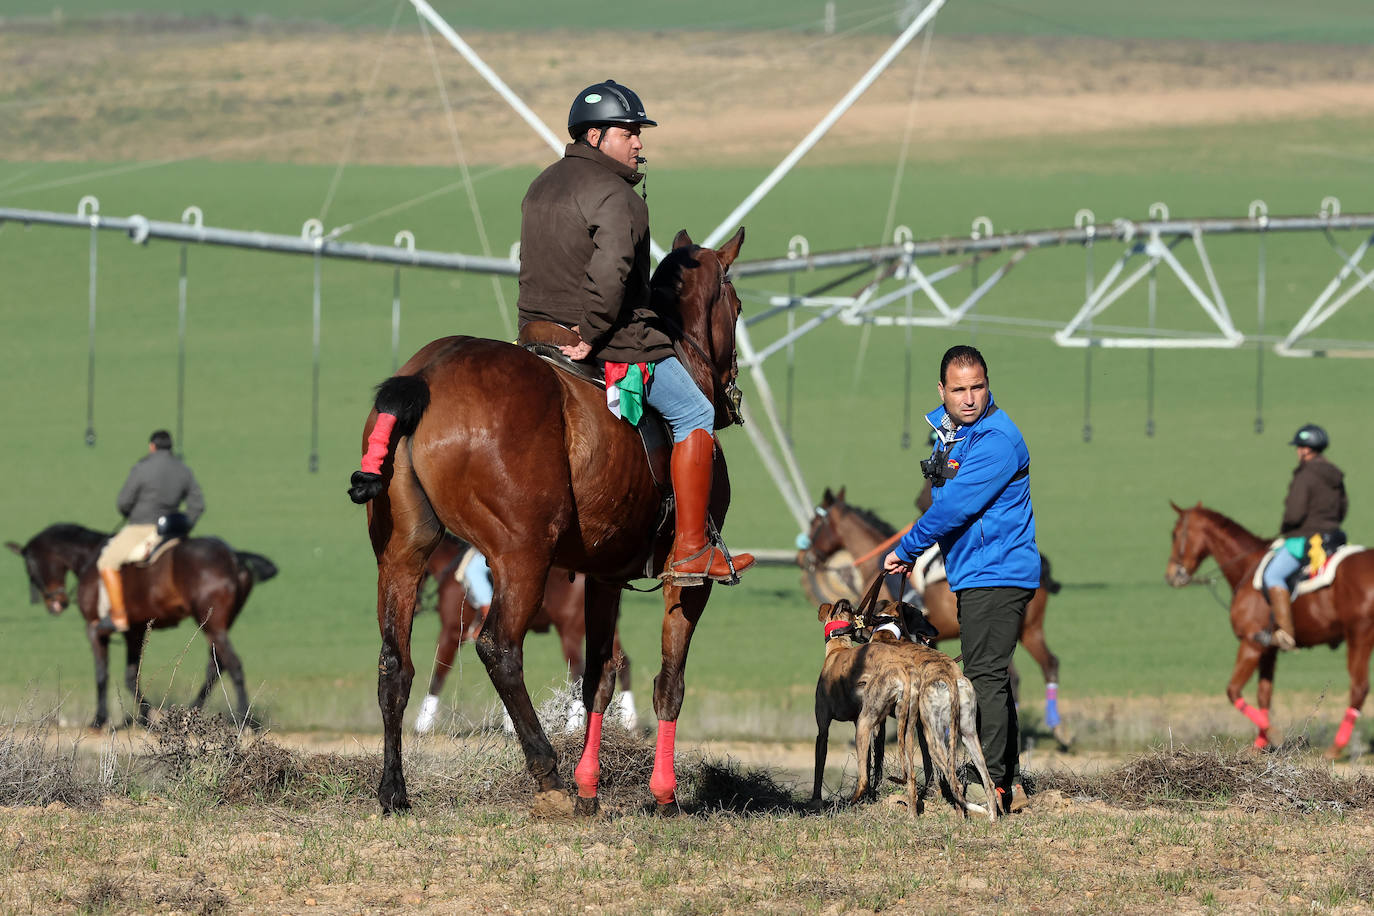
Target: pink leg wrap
{"x": 1259, "y": 716}
{"x": 588, "y": 772}
{"x": 663, "y": 784}
{"x": 1347, "y": 727}
{"x": 378, "y": 443}
{"x": 1261, "y": 741}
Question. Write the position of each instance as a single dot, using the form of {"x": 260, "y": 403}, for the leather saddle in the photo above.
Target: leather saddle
{"x": 543, "y": 338}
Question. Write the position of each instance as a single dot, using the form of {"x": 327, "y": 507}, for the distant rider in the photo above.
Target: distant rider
{"x": 584, "y": 264}
{"x": 157, "y": 485}
{"x": 1316, "y": 505}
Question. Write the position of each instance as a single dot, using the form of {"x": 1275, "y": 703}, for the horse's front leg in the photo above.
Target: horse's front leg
{"x": 134, "y": 641}
{"x": 682, "y": 612}
{"x": 1247, "y": 659}
{"x": 519, "y": 579}
{"x": 100, "y": 648}
{"x": 1264, "y": 694}
{"x": 598, "y": 684}
{"x": 1357, "y": 663}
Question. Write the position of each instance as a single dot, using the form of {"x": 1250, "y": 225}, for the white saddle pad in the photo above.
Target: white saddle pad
{"x": 1321, "y": 580}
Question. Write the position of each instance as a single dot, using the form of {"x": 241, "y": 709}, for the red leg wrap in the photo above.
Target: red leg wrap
{"x": 1347, "y": 727}
{"x": 1259, "y": 716}
{"x": 1261, "y": 741}
{"x": 378, "y": 443}
{"x": 663, "y": 784}
{"x": 588, "y": 772}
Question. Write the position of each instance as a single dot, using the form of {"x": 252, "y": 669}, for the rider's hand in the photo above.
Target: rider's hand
{"x": 895, "y": 564}
{"x": 581, "y": 350}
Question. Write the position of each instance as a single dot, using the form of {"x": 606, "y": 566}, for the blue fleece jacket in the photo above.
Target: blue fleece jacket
{"x": 982, "y": 516}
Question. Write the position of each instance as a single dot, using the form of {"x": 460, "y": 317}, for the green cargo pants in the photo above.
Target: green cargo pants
{"x": 989, "y": 625}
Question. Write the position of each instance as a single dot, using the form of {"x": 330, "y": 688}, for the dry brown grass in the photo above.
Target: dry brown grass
{"x": 1231, "y": 778}
{"x": 32, "y": 772}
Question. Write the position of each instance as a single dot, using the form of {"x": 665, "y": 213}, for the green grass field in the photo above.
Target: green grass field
{"x": 309, "y": 639}
{"x": 1218, "y": 20}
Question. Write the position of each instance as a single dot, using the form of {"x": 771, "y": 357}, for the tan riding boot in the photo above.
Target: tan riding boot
{"x": 114, "y": 588}
{"x": 1282, "y": 607}
{"x": 694, "y": 560}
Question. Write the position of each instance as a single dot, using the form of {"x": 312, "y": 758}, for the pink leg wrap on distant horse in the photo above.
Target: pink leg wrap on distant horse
{"x": 378, "y": 443}
{"x": 663, "y": 784}
{"x": 1259, "y": 716}
{"x": 1347, "y": 727}
{"x": 588, "y": 772}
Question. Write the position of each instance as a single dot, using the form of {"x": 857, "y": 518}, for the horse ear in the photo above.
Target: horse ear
{"x": 1174, "y": 507}
{"x": 823, "y": 612}
{"x": 839, "y": 497}
{"x": 682, "y": 239}
{"x": 15, "y": 547}
{"x": 730, "y": 250}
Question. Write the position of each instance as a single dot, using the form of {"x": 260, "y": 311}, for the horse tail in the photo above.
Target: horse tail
{"x": 1047, "y": 580}
{"x": 401, "y": 401}
{"x": 258, "y": 566}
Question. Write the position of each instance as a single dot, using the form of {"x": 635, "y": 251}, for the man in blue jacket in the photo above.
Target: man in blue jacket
{"x": 981, "y": 517}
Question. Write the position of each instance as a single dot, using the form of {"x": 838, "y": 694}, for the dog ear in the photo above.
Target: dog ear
{"x": 823, "y": 612}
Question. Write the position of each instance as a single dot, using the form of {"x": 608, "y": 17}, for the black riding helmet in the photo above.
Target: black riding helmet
{"x": 1312, "y": 436}
{"x": 606, "y": 103}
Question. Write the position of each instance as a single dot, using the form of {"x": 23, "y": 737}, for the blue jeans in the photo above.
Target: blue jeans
{"x": 1280, "y": 568}
{"x": 673, "y": 394}
{"x": 477, "y": 581}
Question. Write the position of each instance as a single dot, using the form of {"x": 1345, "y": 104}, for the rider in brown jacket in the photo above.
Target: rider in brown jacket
{"x": 1316, "y": 504}
{"x": 584, "y": 264}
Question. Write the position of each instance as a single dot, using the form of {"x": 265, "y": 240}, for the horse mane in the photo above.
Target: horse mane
{"x": 871, "y": 518}
{"x": 1229, "y": 525}
{"x": 70, "y": 531}
{"x": 665, "y": 287}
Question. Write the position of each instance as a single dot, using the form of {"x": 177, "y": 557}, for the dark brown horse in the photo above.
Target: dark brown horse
{"x": 460, "y": 621}
{"x": 837, "y": 526}
{"x": 1342, "y": 611}
{"x": 525, "y": 462}
{"x": 200, "y": 578}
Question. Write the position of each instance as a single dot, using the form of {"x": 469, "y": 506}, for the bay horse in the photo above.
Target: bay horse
{"x": 1344, "y": 610}
{"x": 836, "y": 526}
{"x": 525, "y": 462}
{"x": 460, "y": 621}
{"x": 202, "y": 578}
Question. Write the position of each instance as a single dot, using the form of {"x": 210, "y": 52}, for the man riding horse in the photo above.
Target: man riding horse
{"x": 156, "y": 487}
{"x": 584, "y": 265}
{"x": 1312, "y": 513}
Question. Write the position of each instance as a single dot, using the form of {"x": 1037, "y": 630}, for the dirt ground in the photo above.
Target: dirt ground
{"x": 144, "y": 93}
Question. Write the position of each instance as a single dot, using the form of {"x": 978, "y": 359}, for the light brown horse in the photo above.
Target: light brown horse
{"x": 525, "y": 462}
{"x": 460, "y": 621}
{"x": 1342, "y": 611}
{"x": 837, "y": 526}
{"x": 203, "y": 579}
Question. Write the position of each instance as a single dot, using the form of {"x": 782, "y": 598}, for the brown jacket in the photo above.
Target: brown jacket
{"x": 1316, "y": 500}
{"x": 584, "y": 256}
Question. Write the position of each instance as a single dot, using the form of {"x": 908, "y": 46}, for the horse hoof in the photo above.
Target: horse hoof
{"x": 552, "y": 803}
{"x": 1331, "y": 753}
{"x": 586, "y": 807}
{"x": 672, "y": 809}
{"x": 1063, "y": 736}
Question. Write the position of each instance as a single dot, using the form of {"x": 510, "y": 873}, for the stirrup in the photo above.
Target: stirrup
{"x": 687, "y": 580}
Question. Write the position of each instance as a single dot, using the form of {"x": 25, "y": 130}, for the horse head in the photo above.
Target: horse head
{"x": 1190, "y": 545}
{"x": 692, "y": 287}
{"x": 47, "y": 577}
{"x": 822, "y": 539}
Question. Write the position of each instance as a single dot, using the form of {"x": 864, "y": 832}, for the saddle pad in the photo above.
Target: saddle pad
{"x": 928, "y": 569}
{"x": 1322, "y": 579}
